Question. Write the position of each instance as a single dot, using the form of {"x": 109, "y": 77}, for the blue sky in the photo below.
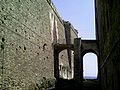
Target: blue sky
{"x": 81, "y": 14}
{"x": 90, "y": 65}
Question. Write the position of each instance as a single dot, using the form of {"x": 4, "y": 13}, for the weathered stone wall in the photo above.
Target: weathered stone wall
{"x": 26, "y": 42}
{"x": 67, "y": 65}
{"x": 108, "y": 33}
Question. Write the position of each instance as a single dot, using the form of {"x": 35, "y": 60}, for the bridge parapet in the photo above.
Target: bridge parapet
{"x": 63, "y": 41}
{"x": 89, "y": 46}
{"x": 80, "y": 48}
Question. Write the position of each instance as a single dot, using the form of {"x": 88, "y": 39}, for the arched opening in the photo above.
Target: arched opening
{"x": 66, "y": 64}
{"x": 90, "y": 66}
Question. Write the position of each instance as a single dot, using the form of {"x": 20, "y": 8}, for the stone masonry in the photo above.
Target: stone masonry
{"x": 28, "y": 31}
{"x": 108, "y": 35}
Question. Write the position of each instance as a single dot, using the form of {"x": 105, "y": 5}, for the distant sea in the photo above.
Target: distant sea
{"x": 88, "y": 77}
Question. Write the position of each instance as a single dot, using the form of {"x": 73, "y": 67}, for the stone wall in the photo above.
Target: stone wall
{"x": 67, "y": 66}
{"x": 64, "y": 63}
{"x": 28, "y": 31}
{"x": 108, "y": 33}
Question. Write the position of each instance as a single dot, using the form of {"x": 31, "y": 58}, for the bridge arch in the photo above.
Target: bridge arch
{"x": 80, "y": 47}
{"x": 66, "y": 66}
{"x": 88, "y": 51}
{"x": 57, "y": 49}
{"x": 90, "y": 66}
{"x": 90, "y": 46}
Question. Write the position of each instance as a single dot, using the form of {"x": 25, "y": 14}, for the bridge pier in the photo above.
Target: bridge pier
{"x": 56, "y": 62}
{"x": 80, "y": 48}
{"x": 78, "y": 63}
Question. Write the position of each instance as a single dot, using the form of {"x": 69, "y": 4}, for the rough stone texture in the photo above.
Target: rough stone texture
{"x": 26, "y": 45}
{"x": 108, "y": 33}
{"x": 67, "y": 64}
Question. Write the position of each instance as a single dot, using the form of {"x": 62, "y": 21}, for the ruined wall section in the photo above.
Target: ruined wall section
{"x": 26, "y": 46}
{"x": 108, "y": 33}
{"x": 66, "y": 64}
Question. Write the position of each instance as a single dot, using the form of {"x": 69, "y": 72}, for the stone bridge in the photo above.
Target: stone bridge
{"x": 80, "y": 48}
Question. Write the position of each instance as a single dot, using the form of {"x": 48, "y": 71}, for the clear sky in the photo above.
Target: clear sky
{"x": 90, "y": 65}
{"x": 81, "y": 14}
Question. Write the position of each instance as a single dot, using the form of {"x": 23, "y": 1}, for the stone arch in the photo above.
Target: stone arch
{"x": 80, "y": 47}
{"x": 88, "y": 51}
{"x": 90, "y": 46}
{"x": 57, "y": 49}
{"x": 90, "y": 65}
{"x": 85, "y": 51}
{"x": 66, "y": 66}
{"x": 61, "y": 47}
